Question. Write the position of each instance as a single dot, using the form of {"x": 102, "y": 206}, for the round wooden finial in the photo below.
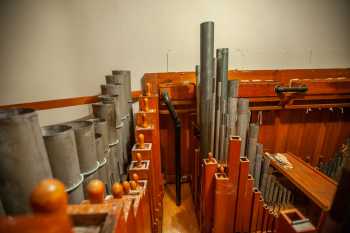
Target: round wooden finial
{"x": 144, "y": 120}
{"x": 126, "y": 187}
{"x": 117, "y": 190}
{"x": 133, "y": 185}
{"x": 210, "y": 157}
{"x": 49, "y": 196}
{"x": 141, "y": 141}
{"x": 148, "y": 89}
{"x": 95, "y": 191}
{"x": 221, "y": 169}
{"x": 145, "y": 105}
{"x": 135, "y": 177}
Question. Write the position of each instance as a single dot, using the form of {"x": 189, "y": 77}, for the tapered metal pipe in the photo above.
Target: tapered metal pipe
{"x": 113, "y": 90}
{"x": 126, "y": 76}
{"x": 243, "y": 118}
{"x": 213, "y": 113}
{"x": 120, "y": 81}
{"x": 106, "y": 111}
{"x": 23, "y": 161}
{"x": 232, "y": 101}
{"x": 251, "y": 150}
{"x": 63, "y": 156}
{"x": 207, "y": 73}
{"x": 258, "y": 161}
{"x": 101, "y": 127}
{"x": 264, "y": 172}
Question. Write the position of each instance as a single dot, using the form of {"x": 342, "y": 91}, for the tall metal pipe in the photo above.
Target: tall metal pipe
{"x": 102, "y": 159}
{"x": 101, "y": 127}
{"x": 112, "y": 90}
{"x": 232, "y": 104}
{"x": 63, "y": 156}
{"x": 251, "y": 150}
{"x": 198, "y": 93}
{"x": 258, "y": 161}
{"x": 222, "y": 73}
{"x": 206, "y": 77}
{"x": 23, "y": 161}
{"x": 123, "y": 98}
{"x": 213, "y": 113}
{"x": 106, "y": 111}
{"x": 243, "y": 118}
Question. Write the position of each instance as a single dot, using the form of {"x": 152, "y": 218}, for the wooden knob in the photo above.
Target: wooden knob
{"x": 135, "y": 177}
{"x": 221, "y": 168}
{"x": 210, "y": 157}
{"x": 95, "y": 191}
{"x": 145, "y": 105}
{"x": 117, "y": 190}
{"x": 144, "y": 120}
{"x": 141, "y": 141}
{"x": 49, "y": 196}
{"x": 148, "y": 89}
{"x": 133, "y": 185}
{"x": 126, "y": 187}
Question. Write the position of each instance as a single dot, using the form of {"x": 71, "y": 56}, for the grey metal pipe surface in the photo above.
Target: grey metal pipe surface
{"x": 101, "y": 127}
{"x": 217, "y": 122}
{"x": 63, "y": 156}
{"x": 265, "y": 169}
{"x": 213, "y": 114}
{"x": 258, "y": 162}
{"x": 251, "y": 150}
{"x": 108, "y": 99}
{"x": 116, "y": 173}
{"x": 198, "y": 93}
{"x": 113, "y": 90}
{"x": 23, "y": 161}
{"x": 102, "y": 159}
{"x": 243, "y": 118}
{"x": 233, "y": 87}
{"x": 120, "y": 81}
{"x": 86, "y": 145}
{"x": 207, "y": 73}
{"x": 126, "y": 76}
{"x": 106, "y": 111}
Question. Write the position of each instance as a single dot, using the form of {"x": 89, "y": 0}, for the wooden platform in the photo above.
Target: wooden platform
{"x": 314, "y": 184}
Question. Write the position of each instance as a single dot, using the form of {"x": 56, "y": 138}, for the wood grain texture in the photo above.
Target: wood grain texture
{"x": 314, "y": 184}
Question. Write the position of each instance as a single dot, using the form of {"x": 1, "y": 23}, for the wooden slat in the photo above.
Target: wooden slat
{"x": 61, "y": 103}
{"x": 315, "y": 185}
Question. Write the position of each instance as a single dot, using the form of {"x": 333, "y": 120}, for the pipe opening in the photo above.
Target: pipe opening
{"x": 79, "y": 124}
{"x": 12, "y": 112}
{"x": 53, "y": 130}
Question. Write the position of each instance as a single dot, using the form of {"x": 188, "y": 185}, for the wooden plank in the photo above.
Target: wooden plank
{"x": 314, "y": 184}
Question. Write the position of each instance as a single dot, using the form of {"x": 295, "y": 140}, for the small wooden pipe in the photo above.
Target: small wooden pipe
{"x": 145, "y": 105}
{"x": 144, "y": 120}
{"x": 126, "y": 187}
{"x": 141, "y": 141}
{"x": 49, "y": 196}
{"x": 95, "y": 191}
{"x": 117, "y": 190}
{"x": 138, "y": 160}
{"x": 148, "y": 89}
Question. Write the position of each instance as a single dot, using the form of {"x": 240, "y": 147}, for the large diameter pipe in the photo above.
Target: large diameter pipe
{"x": 86, "y": 145}
{"x": 106, "y": 111}
{"x": 63, "y": 156}
{"x": 126, "y": 76}
{"x": 23, "y": 161}
{"x": 112, "y": 90}
{"x": 101, "y": 127}
{"x": 123, "y": 98}
{"x": 207, "y": 73}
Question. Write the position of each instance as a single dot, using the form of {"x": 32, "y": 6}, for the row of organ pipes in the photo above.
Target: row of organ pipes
{"x": 239, "y": 191}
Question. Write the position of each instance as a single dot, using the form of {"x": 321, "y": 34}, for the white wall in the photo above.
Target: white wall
{"x": 63, "y": 48}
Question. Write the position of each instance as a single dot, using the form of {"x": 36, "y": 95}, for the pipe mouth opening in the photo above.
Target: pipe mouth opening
{"x": 13, "y": 112}
{"x": 79, "y": 124}
{"x": 244, "y": 159}
{"x": 255, "y": 190}
{"x": 98, "y": 136}
{"x": 52, "y": 130}
{"x": 97, "y": 120}
{"x": 235, "y": 137}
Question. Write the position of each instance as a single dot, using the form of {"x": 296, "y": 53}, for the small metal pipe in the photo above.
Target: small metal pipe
{"x": 252, "y": 140}
{"x": 281, "y": 89}
{"x": 258, "y": 161}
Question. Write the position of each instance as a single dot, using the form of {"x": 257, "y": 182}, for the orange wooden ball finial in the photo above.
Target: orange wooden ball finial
{"x": 135, "y": 177}
{"x": 148, "y": 89}
{"x": 210, "y": 157}
{"x": 117, "y": 190}
{"x": 133, "y": 185}
{"x": 49, "y": 196}
{"x": 141, "y": 141}
{"x": 95, "y": 191}
{"x": 126, "y": 187}
{"x": 144, "y": 120}
{"x": 145, "y": 105}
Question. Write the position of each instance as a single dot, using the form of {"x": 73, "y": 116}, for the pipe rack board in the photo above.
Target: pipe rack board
{"x": 315, "y": 185}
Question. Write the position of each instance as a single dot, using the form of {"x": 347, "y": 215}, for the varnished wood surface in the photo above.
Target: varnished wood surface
{"x": 179, "y": 219}
{"x": 315, "y": 185}
{"x": 60, "y": 103}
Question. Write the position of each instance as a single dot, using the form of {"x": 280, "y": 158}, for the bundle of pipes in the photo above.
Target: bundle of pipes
{"x": 334, "y": 167}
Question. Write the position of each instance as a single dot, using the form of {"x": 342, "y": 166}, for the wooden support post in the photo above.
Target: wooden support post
{"x": 248, "y": 201}
{"x": 242, "y": 184}
{"x": 255, "y": 210}
{"x": 207, "y": 195}
{"x": 223, "y": 204}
